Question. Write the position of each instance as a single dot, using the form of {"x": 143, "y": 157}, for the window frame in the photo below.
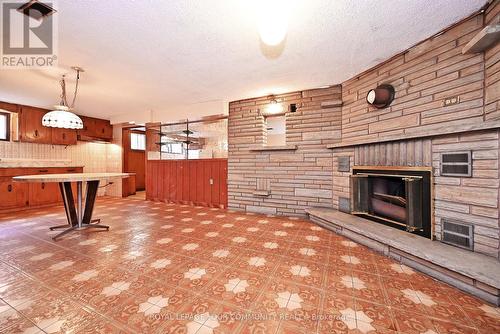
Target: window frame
{"x": 7, "y": 125}
{"x": 266, "y": 117}
{"x": 130, "y": 140}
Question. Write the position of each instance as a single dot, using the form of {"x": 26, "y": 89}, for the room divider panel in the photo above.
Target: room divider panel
{"x": 200, "y": 182}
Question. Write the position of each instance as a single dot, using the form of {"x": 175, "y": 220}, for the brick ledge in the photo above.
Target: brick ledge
{"x": 274, "y": 148}
{"x": 420, "y": 134}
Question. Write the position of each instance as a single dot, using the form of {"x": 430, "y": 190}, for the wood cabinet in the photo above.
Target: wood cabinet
{"x": 43, "y": 193}
{"x": 63, "y": 136}
{"x": 95, "y": 128}
{"x": 201, "y": 181}
{"x": 13, "y": 194}
{"x": 31, "y": 128}
{"x": 103, "y": 129}
{"x": 88, "y": 127}
{"x": 18, "y": 195}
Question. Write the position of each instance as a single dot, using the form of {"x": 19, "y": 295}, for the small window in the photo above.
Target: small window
{"x": 138, "y": 141}
{"x": 4, "y": 126}
{"x": 276, "y": 130}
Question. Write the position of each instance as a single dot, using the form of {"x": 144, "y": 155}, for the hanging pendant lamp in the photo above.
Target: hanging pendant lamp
{"x": 61, "y": 116}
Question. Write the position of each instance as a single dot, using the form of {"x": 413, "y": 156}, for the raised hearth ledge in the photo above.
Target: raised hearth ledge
{"x": 475, "y": 273}
{"x": 416, "y": 133}
{"x": 273, "y": 148}
{"x": 262, "y": 193}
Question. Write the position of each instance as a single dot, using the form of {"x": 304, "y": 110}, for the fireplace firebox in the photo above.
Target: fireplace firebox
{"x": 395, "y": 196}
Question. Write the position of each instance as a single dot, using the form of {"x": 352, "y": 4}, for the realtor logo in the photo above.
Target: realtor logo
{"x": 28, "y": 34}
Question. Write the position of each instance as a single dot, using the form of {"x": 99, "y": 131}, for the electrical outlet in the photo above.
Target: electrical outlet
{"x": 451, "y": 101}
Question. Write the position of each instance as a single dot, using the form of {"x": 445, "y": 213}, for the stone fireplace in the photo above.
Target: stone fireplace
{"x": 424, "y": 170}
{"x": 397, "y": 197}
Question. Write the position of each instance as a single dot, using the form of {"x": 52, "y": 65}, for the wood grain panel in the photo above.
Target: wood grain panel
{"x": 134, "y": 161}
{"x": 188, "y": 181}
{"x": 413, "y": 153}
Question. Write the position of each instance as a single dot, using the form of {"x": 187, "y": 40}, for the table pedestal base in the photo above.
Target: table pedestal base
{"x": 77, "y": 218}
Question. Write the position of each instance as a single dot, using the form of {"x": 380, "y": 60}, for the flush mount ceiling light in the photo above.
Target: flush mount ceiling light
{"x": 273, "y": 22}
{"x": 62, "y": 117}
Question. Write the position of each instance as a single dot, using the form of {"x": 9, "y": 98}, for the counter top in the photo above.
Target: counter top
{"x": 35, "y": 163}
{"x": 71, "y": 177}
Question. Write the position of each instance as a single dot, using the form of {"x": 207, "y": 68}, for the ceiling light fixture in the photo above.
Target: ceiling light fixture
{"x": 62, "y": 117}
{"x": 273, "y": 22}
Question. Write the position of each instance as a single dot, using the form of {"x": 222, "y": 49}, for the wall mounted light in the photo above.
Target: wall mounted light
{"x": 380, "y": 97}
{"x": 274, "y": 108}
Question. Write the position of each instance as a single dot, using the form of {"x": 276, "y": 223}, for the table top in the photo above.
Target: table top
{"x": 71, "y": 177}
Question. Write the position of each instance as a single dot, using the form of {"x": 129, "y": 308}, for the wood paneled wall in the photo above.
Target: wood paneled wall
{"x": 200, "y": 182}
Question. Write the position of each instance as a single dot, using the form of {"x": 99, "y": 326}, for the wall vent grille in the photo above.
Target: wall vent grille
{"x": 344, "y": 204}
{"x": 456, "y": 164}
{"x": 458, "y": 234}
{"x": 36, "y": 9}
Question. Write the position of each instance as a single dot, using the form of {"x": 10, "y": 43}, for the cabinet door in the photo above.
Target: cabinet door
{"x": 43, "y": 193}
{"x": 32, "y": 129}
{"x": 103, "y": 129}
{"x": 12, "y": 194}
{"x": 89, "y": 126}
{"x": 63, "y": 136}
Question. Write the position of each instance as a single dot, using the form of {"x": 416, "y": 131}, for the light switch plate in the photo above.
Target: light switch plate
{"x": 449, "y": 101}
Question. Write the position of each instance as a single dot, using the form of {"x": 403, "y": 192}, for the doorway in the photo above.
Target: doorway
{"x": 134, "y": 160}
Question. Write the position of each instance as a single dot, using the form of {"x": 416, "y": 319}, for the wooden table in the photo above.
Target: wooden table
{"x": 81, "y": 216}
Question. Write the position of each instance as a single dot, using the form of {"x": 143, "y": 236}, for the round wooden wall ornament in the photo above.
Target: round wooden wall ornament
{"x": 380, "y": 97}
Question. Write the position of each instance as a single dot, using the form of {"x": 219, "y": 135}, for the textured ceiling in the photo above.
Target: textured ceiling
{"x": 167, "y": 60}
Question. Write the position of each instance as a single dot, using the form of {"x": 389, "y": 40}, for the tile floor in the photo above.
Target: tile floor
{"x": 165, "y": 268}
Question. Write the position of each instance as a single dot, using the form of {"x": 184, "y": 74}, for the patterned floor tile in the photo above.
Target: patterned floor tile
{"x": 170, "y": 268}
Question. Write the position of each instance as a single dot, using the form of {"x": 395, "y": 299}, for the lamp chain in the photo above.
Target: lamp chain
{"x": 76, "y": 89}
{"x": 64, "y": 100}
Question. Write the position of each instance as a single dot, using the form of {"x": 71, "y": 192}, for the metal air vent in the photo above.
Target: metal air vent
{"x": 458, "y": 234}
{"x": 456, "y": 164}
{"x": 344, "y": 204}
{"x": 36, "y": 9}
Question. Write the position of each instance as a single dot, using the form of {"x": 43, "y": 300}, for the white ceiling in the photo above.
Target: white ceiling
{"x": 167, "y": 60}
